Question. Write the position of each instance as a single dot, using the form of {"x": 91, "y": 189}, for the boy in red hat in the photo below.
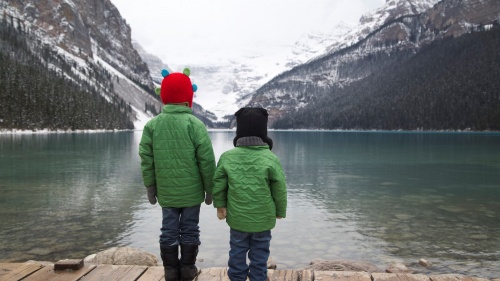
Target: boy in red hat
{"x": 177, "y": 163}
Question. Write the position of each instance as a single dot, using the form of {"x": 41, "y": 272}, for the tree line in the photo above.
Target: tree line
{"x": 40, "y": 89}
{"x": 451, "y": 84}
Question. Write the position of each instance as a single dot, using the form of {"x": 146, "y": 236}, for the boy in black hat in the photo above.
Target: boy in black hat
{"x": 250, "y": 193}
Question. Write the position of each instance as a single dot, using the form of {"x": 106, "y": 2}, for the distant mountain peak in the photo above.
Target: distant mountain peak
{"x": 399, "y": 27}
{"x": 370, "y": 21}
{"x": 226, "y": 87}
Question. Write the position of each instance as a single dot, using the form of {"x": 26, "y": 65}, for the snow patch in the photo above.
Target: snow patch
{"x": 142, "y": 119}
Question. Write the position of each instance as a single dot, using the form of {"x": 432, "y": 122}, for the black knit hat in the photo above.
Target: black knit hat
{"x": 252, "y": 122}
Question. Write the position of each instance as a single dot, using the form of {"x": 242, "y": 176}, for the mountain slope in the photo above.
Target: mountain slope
{"x": 35, "y": 95}
{"x": 88, "y": 37}
{"x": 397, "y": 39}
{"x": 373, "y": 20}
{"x": 225, "y": 86}
{"x": 155, "y": 66}
{"x": 451, "y": 84}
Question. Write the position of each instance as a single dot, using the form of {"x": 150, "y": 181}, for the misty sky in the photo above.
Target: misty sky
{"x": 186, "y": 31}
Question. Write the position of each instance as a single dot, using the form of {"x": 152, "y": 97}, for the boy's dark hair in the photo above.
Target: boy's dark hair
{"x": 252, "y": 122}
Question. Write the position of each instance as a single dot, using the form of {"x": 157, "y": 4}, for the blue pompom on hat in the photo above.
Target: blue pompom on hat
{"x": 176, "y": 87}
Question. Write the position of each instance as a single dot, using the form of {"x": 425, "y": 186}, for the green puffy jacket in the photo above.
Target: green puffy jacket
{"x": 250, "y": 183}
{"x": 177, "y": 157}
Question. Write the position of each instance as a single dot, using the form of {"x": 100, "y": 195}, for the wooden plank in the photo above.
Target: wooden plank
{"x": 109, "y": 272}
{"x": 213, "y": 274}
{"x": 6, "y": 268}
{"x": 154, "y": 273}
{"x": 455, "y": 277}
{"x": 48, "y": 273}
{"x": 283, "y": 275}
{"x": 18, "y": 271}
{"x": 307, "y": 275}
{"x": 399, "y": 277}
{"x": 341, "y": 276}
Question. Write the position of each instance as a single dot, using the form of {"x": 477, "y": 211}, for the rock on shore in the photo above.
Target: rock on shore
{"x": 123, "y": 256}
{"x": 133, "y": 256}
{"x": 342, "y": 265}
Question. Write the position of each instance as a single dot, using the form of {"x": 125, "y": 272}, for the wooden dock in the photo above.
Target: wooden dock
{"x": 104, "y": 272}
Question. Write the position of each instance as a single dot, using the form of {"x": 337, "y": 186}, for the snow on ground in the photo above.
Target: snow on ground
{"x": 142, "y": 119}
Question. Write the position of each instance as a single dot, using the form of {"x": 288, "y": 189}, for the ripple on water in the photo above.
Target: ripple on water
{"x": 40, "y": 251}
{"x": 490, "y": 214}
{"x": 452, "y": 209}
{"x": 403, "y": 217}
{"x": 479, "y": 237}
{"x": 387, "y": 183}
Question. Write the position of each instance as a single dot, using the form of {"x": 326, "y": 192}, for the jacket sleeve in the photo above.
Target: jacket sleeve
{"x": 278, "y": 189}
{"x": 147, "y": 157}
{"x": 219, "y": 192}
{"x": 205, "y": 158}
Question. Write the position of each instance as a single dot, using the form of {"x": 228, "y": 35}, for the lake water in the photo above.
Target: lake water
{"x": 380, "y": 197}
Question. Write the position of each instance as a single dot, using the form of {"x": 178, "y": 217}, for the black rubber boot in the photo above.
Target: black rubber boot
{"x": 188, "y": 261}
{"x": 170, "y": 258}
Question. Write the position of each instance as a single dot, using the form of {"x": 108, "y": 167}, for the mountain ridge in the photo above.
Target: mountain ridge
{"x": 450, "y": 85}
{"x": 334, "y": 70}
{"x": 85, "y": 38}
{"x": 91, "y": 44}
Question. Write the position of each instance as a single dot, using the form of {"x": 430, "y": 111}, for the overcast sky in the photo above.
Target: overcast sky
{"x": 181, "y": 31}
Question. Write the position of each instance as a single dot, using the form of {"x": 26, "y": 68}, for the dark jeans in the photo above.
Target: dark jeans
{"x": 257, "y": 246}
{"x": 180, "y": 226}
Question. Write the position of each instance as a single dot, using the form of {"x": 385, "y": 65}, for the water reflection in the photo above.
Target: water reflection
{"x": 408, "y": 195}
{"x": 378, "y": 197}
{"x": 65, "y": 195}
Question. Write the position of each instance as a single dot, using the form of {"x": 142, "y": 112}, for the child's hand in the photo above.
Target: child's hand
{"x": 208, "y": 199}
{"x": 152, "y": 194}
{"x": 279, "y": 218}
{"x": 221, "y": 213}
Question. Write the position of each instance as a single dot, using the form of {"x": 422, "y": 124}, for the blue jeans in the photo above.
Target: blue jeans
{"x": 180, "y": 226}
{"x": 257, "y": 246}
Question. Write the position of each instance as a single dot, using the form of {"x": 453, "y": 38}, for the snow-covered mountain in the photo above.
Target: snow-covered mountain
{"x": 225, "y": 87}
{"x": 401, "y": 26}
{"x": 371, "y": 21}
{"x": 91, "y": 36}
{"x": 156, "y": 65}
{"x": 231, "y": 85}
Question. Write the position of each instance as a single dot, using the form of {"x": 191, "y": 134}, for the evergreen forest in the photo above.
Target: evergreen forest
{"x": 451, "y": 84}
{"x": 40, "y": 90}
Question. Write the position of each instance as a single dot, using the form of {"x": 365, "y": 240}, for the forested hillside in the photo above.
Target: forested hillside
{"x": 33, "y": 96}
{"x": 452, "y": 84}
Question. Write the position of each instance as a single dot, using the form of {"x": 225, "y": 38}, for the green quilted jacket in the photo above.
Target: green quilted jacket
{"x": 250, "y": 183}
{"x": 177, "y": 157}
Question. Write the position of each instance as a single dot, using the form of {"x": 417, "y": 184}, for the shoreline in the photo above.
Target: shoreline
{"x": 46, "y": 131}
{"x": 79, "y": 270}
{"x": 122, "y": 256}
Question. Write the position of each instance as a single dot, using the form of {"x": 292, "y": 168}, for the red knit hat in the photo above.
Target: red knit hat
{"x": 177, "y": 88}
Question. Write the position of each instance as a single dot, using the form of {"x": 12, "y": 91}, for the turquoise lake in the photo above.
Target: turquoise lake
{"x": 379, "y": 197}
